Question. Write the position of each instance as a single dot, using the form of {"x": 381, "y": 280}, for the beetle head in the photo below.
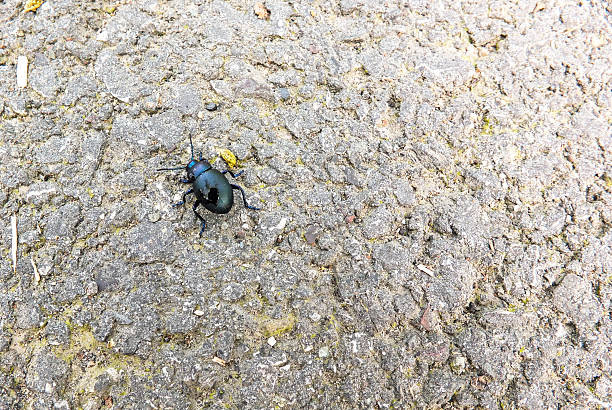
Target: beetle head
{"x": 196, "y": 168}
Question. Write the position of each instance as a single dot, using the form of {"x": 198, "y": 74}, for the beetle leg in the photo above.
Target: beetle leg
{"x": 190, "y": 191}
{"x": 186, "y": 181}
{"x": 195, "y": 205}
{"x": 232, "y": 174}
{"x": 246, "y": 205}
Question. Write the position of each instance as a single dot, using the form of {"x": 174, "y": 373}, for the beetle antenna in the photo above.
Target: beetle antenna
{"x": 170, "y": 169}
{"x": 191, "y": 143}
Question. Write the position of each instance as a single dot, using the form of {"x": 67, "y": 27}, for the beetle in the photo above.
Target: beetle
{"x": 210, "y": 186}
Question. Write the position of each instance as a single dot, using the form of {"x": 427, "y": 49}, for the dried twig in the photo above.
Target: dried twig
{"x": 36, "y": 274}
{"x": 425, "y": 269}
{"x": 22, "y": 71}
{"x": 14, "y": 243}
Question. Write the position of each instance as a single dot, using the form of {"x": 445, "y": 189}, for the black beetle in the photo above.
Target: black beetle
{"x": 210, "y": 186}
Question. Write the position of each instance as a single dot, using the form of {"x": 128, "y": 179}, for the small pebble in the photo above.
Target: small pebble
{"x": 284, "y": 94}
{"x": 324, "y": 352}
{"x": 211, "y": 106}
{"x": 281, "y": 225}
{"x": 91, "y": 288}
{"x": 150, "y": 106}
{"x": 311, "y": 235}
{"x": 272, "y": 341}
{"x": 315, "y": 317}
{"x": 60, "y": 405}
{"x": 154, "y": 216}
{"x": 457, "y": 364}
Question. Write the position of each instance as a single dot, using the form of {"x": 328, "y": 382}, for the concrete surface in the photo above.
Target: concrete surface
{"x": 435, "y": 181}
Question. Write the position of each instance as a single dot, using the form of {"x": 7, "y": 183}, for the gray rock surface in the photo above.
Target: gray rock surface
{"x": 435, "y": 181}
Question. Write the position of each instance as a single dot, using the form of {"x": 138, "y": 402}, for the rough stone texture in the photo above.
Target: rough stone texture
{"x": 121, "y": 82}
{"x": 57, "y": 332}
{"x": 575, "y": 298}
{"x": 151, "y": 242}
{"x": 47, "y": 373}
{"x": 435, "y": 181}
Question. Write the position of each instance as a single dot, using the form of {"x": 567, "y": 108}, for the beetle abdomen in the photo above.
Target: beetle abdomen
{"x": 213, "y": 190}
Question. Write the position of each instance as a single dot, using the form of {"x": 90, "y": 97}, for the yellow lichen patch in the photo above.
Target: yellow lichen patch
{"x": 32, "y": 5}
{"x": 228, "y": 156}
{"x": 277, "y": 327}
{"x": 487, "y": 129}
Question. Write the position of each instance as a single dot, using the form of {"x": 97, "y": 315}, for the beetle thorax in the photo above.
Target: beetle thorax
{"x": 196, "y": 168}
